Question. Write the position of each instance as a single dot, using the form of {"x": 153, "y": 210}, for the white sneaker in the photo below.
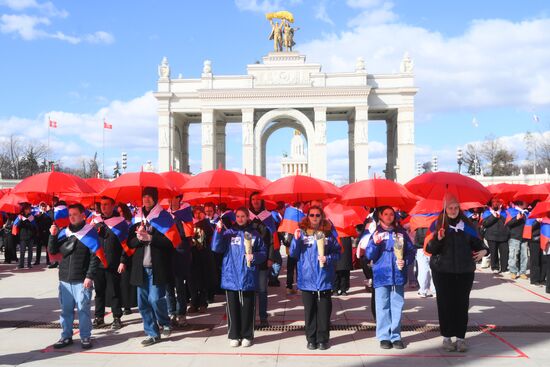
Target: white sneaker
{"x": 246, "y": 343}
{"x": 234, "y": 343}
{"x": 461, "y": 346}
{"x": 495, "y": 271}
{"x": 422, "y": 295}
{"x": 448, "y": 345}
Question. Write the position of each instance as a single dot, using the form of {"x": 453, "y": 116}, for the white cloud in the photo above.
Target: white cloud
{"x": 27, "y": 26}
{"x": 493, "y": 63}
{"x": 363, "y": 3}
{"x": 263, "y": 6}
{"x": 322, "y": 15}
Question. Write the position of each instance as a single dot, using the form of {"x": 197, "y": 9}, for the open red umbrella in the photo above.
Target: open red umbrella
{"x": 300, "y": 188}
{"x": 378, "y": 192}
{"x": 45, "y": 185}
{"x": 98, "y": 184}
{"x": 436, "y": 185}
{"x": 222, "y": 182}
{"x": 540, "y": 210}
{"x": 532, "y": 193}
{"x": 128, "y": 187}
{"x": 345, "y": 218}
{"x": 10, "y": 203}
{"x": 260, "y": 180}
{"x": 505, "y": 191}
{"x": 176, "y": 179}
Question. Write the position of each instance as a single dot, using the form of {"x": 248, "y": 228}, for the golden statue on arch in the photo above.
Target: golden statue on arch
{"x": 282, "y": 33}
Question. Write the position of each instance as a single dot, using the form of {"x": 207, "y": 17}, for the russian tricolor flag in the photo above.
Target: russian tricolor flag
{"x": 88, "y": 236}
{"x": 17, "y": 223}
{"x": 61, "y": 216}
{"x": 120, "y": 228}
{"x": 528, "y": 228}
{"x": 291, "y": 219}
{"x": 422, "y": 220}
{"x": 163, "y": 222}
{"x": 185, "y": 215}
{"x": 545, "y": 235}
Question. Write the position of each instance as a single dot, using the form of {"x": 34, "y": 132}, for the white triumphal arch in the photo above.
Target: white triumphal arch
{"x": 286, "y": 91}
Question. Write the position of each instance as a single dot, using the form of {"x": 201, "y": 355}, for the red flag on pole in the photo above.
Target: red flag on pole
{"x": 107, "y": 126}
{"x": 53, "y": 124}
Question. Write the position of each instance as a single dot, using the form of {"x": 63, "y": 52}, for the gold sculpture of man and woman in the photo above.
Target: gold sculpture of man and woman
{"x": 282, "y": 33}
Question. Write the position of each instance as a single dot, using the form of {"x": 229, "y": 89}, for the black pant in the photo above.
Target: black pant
{"x": 42, "y": 242}
{"x": 107, "y": 279}
{"x": 290, "y": 269}
{"x": 341, "y": 281}
{"x": 546, "y": 271}
{"x": 241, "y": 312}
{"x": 317, "y": 309}
{"x": 176, "y": 296}
{"x": 10, "y": 250}
{"x": 535, "y": 258}
{"x": 25, "y": 245}
{"x": 499, "y": 251}
{"x": 453, "y": 301}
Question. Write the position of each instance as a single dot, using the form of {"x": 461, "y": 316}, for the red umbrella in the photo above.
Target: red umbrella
{"x": 540, "y": 210}
{"x": 260, "y": 180}
{"x": 532, "y": 193}
{"x": 222, "y": 182}
{"x": 436, "y": 185}
{"x": 428, "y": 206}
{"x": 52, "y": 183}
{"x": 128, "y": 187}
{"x": 98, "y": 184}
{"x": 345, "y": 218}
{"x": 300, "y": 188}
{"x": 10, "y": 203}
{"x": 505, "y": 191}
{"x": 378, "y": 192}
{"x": 176, "y": 179}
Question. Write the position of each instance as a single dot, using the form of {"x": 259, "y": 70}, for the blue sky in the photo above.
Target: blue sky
{"x": 81, "y": 61}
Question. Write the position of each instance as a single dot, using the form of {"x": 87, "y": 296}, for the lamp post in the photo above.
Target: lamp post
{"x": 459, "y": 159}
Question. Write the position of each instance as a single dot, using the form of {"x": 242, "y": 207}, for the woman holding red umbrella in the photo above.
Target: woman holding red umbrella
{"x": 455, "y": 248}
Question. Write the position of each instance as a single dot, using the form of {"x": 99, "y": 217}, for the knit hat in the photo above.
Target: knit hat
{"x": 152, "y": 192}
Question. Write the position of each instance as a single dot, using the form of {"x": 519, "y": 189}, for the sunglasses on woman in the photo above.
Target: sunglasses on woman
{"x": 314, "y": 215}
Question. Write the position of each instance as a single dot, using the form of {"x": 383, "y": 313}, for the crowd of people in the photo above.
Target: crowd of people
{"x": 172, "y": 260}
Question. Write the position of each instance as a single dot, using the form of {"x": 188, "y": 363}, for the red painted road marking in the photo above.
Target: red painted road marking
{"x": 487, "y": 330}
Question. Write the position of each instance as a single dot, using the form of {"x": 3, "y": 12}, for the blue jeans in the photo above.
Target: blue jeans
{"x": 389, "y": 307}
{"x": 152, "y": 305}
{"x": 262, "y": 294}
{"x": 517, "y": 247}
{"x": 71, "y": 295}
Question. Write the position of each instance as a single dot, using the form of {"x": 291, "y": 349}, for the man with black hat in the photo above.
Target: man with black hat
{"x": 112, "y": 230}
{"x": 152, "y": 264}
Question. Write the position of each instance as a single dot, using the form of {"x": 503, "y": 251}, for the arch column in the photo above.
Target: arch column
{"x": 248, "y": 140}
{"x": 405, "y": 144}
{"x": 361, "y": 143}
{"x": 318, "y": 166}
{"x": 208, "y": 136}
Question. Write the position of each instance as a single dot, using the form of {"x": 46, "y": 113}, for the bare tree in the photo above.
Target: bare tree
{"x": 500, "y": 161}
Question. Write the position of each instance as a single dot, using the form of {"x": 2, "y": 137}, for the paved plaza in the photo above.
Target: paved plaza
{"x": 509, "y": 326}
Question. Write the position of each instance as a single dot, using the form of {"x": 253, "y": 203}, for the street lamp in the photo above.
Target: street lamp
{"x": 435, "y": 168}
{"x": 459, "y": 158}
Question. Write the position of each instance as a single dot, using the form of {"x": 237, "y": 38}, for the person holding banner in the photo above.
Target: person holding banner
{"x": 77, "y": 243}
{"x": 455, "y": 247}
{"x": 154, "y": 236}
{"x": 243, "y": 251}
{"x": 113, "y": 233}
{"x": 316, "y": 251}
{"x": 391, "y": 251}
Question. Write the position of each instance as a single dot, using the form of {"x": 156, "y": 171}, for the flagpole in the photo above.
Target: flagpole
{"x": 103, "y": 159}
{"x": 48, "y": 151}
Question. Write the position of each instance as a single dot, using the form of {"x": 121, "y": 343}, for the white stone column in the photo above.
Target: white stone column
{"x": 165, "y": 140}
{"x": 248, "y": 140}
{"x": 220, "y": 144}
{"x": 361, "y": 143}
{"x": 208, "y": 138}
{"x": 318, "y": 167}
{"x": 405, "y": 144}
{"x": 185, "y": 148}
{"x": 391, "y": 147}
{"x": 351, "y": 151}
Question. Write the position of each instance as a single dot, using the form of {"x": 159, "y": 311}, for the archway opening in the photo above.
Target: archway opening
{"x": 279, "y": 157}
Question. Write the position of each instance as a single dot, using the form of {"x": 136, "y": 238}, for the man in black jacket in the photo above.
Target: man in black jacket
{"x": 496, "y": 233}
{"x": 44, "y": 222}
{"x": 151, "y": 268}
{"x": 517, "y": 245}
{"x": 109, "y": 278}
{"x": 76, "y": 271}
{"x": 28, "y": 231}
